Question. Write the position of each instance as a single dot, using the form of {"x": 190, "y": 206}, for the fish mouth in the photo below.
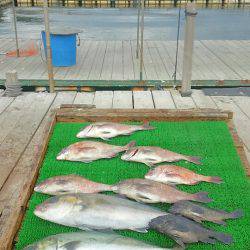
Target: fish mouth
{"x": 37, "y": 189}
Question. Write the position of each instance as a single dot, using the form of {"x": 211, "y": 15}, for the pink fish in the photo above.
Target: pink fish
{"x": 107, "y": 130}
{"x": 171, "y": 174}
{"x": 67, "y": 184}
{"x": 87, "y": 151}
{"x": 153, "y": 155}
{"x": 153, "y": 192}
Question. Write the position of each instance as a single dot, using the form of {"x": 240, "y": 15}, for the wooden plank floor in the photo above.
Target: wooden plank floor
{"x": 115, "y": 60}
{"x": 23, "y": 123}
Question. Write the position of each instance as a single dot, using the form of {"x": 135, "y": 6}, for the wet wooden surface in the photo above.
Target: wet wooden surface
{"x": 115, "y": 60}
{"x": 23, "y": 123}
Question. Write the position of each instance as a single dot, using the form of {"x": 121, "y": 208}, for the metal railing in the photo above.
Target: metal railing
{"x": 128, "y": 3}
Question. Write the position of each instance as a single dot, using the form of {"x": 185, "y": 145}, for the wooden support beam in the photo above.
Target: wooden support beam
{"x": 48, "y": 47}
{"x": 188, "y": 49}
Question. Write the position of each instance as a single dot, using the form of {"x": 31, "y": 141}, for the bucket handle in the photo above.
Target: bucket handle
{"x": 78, "y": 40}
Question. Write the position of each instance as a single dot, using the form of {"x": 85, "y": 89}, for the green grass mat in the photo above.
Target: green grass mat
{"x": 211, "y": 140}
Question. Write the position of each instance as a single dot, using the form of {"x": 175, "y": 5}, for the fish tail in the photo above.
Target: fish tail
{"x": 130, "y": 145}
{"x": 201, "y": 197}
{"x": 213, "y": 179}
{"x": 236, "y": 214}
{"x": 194, "y": 159}
{"x": 225, "y": 238}
{"x": 146, "y": 126}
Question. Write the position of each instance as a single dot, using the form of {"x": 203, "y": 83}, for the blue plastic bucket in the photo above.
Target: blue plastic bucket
{"x": 63, "y": 48}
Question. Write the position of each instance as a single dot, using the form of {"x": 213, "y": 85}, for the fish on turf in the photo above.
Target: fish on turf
{"x": 97, "y": 211}
{"x": 89, "y": 240}
{"x": 200, "y": 213}
{"x": 153, "y": 155}
{"x": 148, "y": 191}
{"x": 171, "y": 174}
{"x": 107, "y": 130}
{"x": 184, "y": 230}
{"x": 66, "y": 184}
{"x": 88, "y": 151}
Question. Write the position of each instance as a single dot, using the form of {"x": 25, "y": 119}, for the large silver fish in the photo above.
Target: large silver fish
{"x": 153, "y": 155}
{"x": 67, "y": 184}
{"x": 97, "y": 211}
{"x": 88, "y": 151}
{"x": 153, "y": 192}
{"x": 91, "y": 241}
{"x": 107, "y": 130}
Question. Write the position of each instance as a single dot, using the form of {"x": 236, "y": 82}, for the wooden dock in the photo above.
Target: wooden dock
{"x": 214, "y": 60}
{"x": 23, "y": 124}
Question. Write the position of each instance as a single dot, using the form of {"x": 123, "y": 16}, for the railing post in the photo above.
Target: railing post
{"x": 142, "y": 40}
{"x": 15, "y": 27}
{"x": 188, "y": 49}
{"x": 48, "y": 47}
{"x": 138, "y": 28}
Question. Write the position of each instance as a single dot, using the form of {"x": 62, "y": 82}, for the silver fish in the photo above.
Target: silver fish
{"x": 107, "y": 130}
{"x": 91, "y": 241}
{"x": 88, "y": 151}
{"x": 153, "y": 155}
{"x": 66, "y": 184}
{"x": 148, "y": 191}
{"x": 97, "y": 211}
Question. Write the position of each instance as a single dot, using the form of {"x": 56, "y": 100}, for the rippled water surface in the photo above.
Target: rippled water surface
{"x": 120, "y": 24}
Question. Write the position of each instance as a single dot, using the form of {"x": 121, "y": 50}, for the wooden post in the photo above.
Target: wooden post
{"x": 142, "y": 39}
{"x": 188, "y": 49}
{"x": 48, "y": 47}
{"x": 15, "y": 28}
{"x": 11, "y": 78}
{"x": 138, "y": 28}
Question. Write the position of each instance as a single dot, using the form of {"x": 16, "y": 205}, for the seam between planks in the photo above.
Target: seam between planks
{"x": 18, "y": 159}
{"x": 7, "y": 106}
{"x": 220, "y": 59}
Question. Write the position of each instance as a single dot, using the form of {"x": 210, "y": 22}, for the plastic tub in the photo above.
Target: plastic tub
{"x": 63, "y": 47}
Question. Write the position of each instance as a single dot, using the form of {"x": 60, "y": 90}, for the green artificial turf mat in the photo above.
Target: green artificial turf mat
{"x": 210, "y": 140}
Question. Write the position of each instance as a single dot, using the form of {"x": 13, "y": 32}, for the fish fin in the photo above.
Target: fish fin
{"x": 140, "y": 230}
{"x": 130, "y": 145}
{"x": 151, "y": 165}
{"x": 202, "y": 197}
{"x": 194, "y": 159}
{"x": 208, "y": 240}
{"x": 225, "y": 238}
{"x": 146, "y": 126}
{"x": 220, "y": 222}
{"x": 215, "y": 179}
{"x": 236, "y": 214}
{"x": 105, "y": 139}
{"x": 85, "y": 228}
{"x": 178, "y": 241}
{"x": 71, "y": 245}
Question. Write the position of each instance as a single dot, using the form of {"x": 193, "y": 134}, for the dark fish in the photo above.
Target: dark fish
{"x": 183, "y": 230}
{"x": 200, "y": 213}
